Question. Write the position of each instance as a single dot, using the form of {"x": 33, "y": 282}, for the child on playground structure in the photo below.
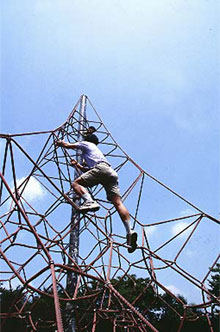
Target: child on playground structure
{"x": 98, "y": 171}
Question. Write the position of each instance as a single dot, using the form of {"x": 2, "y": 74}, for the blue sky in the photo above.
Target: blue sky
{"x": 150, "y": 68}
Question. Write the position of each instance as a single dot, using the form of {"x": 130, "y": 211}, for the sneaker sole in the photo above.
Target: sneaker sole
{"x": 89, "y": 209}
{"x": 133, "y": 243}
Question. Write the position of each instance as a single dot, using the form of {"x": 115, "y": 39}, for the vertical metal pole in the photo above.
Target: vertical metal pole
{"x": 74, "y": 234}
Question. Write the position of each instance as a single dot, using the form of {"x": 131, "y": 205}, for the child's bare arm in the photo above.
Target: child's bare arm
{"x": 66, "y": 145}
{"x": 79, "y": 166}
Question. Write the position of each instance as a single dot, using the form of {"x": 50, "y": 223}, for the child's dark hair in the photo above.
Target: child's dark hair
{"x": 92, "y": 138}
{"x": 92, "y": 129}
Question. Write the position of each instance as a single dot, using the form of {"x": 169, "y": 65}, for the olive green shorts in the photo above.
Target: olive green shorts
{"x": 102, "y": 174}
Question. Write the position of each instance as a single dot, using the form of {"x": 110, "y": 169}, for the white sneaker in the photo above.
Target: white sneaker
{"x": 89, "y": 206}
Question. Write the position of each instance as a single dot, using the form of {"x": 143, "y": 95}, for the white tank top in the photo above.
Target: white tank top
{"x": 91, "y": 153}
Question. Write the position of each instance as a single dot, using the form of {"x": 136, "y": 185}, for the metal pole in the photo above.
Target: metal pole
{"x": 74, "y": 234}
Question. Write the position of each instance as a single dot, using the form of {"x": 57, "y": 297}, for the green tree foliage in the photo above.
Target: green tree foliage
{"x": 164, "y": 311}
{"x": 214, "y": 288}
{"x": 214, "y": 282}
{"x": 172, "y": 310}
{"x": 9, "y": 322}
{"x": 43, "y": 312}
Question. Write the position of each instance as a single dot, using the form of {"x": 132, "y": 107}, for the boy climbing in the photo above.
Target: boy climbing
{"x": 98, "y": 171}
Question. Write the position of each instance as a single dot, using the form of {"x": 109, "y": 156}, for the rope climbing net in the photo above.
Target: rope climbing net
{"x": 39, "y": 215}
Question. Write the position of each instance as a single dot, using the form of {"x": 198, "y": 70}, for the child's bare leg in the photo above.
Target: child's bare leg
{"x": 89, "y": 204}
{"x": 81, "y": 190}
{"x": 125, "y": 217}
{"x": 78, "y": 188}
{"x": 123, "y": 212}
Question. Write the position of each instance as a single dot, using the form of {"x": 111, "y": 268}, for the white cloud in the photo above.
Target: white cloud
{"x": 180, "y": 226}
{"x": 186, "y": 212}
{"x": 150, "y": 230}
{"x": 33, "y": 189}
{"x": 174, "y": 290}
